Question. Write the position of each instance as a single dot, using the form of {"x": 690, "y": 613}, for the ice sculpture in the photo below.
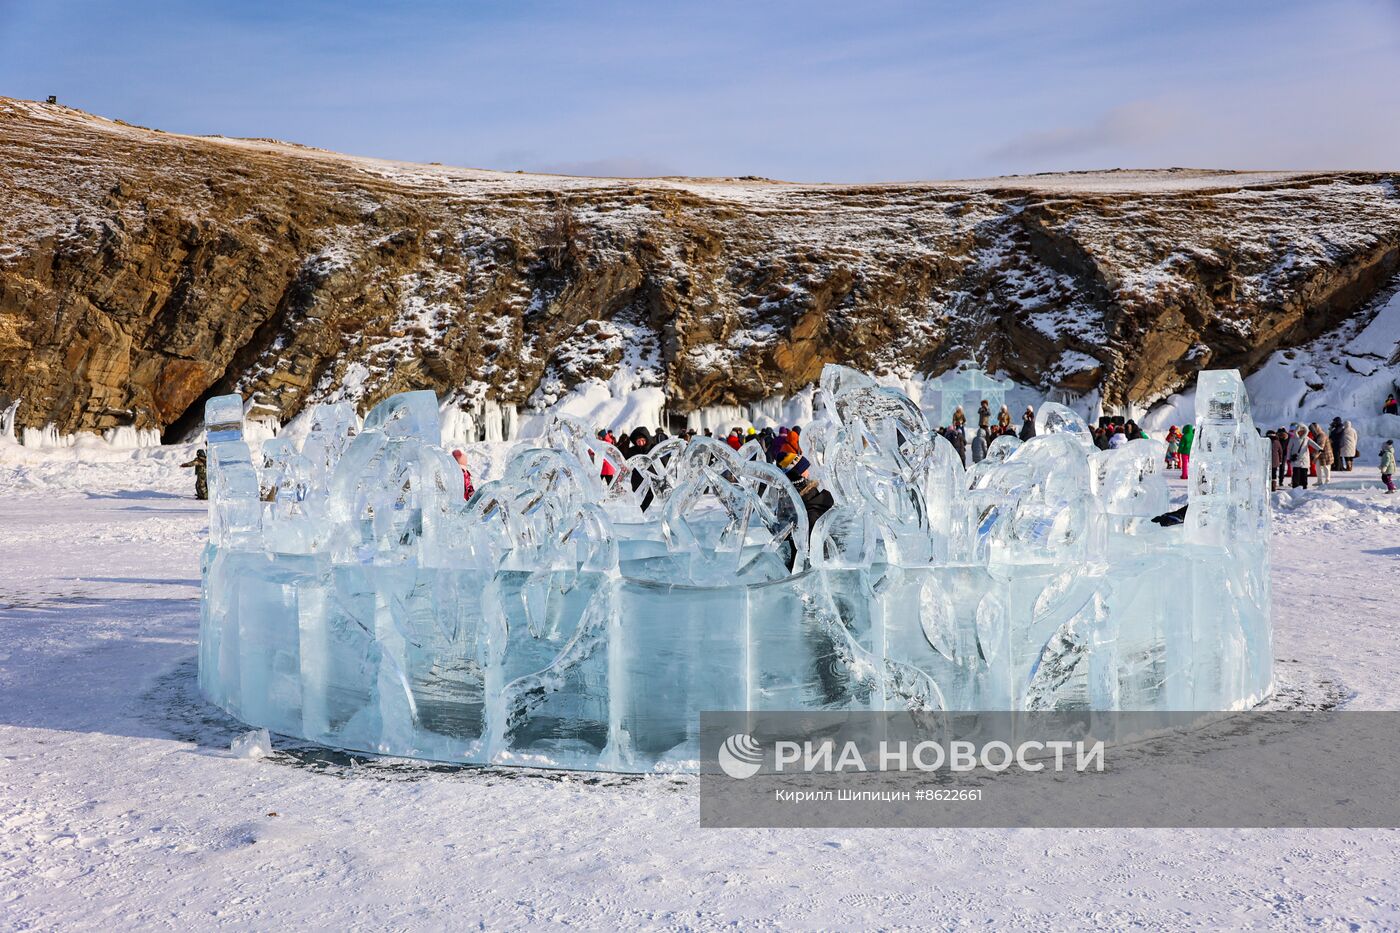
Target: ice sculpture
{"x": 967, "y": 386}
{"x": 353, "y": 596}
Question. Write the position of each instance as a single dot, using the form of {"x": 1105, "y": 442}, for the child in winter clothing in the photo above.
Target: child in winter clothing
{"x": 1388, "y": 466}
{"x": 1173, "y": 446}
{"x": 1183, "y": 449}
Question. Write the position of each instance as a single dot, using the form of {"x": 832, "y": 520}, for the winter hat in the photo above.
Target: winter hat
{"x": 795, "y": 430}
{"x": 801, "y": 466}
{"x": 752, "y": 432}
{"x": 782, "y": 430}
{"x": 794, "y": 466}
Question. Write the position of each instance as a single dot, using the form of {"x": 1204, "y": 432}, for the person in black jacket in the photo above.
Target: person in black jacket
{"x": 957, "y": 436}
{"x": 1028, "y": 424}
{"x": 815, "y": 499}
{"x": 641, "y": 442}
{"x": 1276, "y": 452}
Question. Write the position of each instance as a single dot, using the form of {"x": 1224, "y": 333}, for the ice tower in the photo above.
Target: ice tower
{"x": 967, "y": 386}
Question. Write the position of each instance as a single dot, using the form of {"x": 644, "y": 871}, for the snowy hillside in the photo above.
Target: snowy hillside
{"x": 142, "y": 272}
{"x": 1346, "y": 373}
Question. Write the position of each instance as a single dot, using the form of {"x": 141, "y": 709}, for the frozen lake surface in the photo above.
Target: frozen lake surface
{"x": 120, "y": 803}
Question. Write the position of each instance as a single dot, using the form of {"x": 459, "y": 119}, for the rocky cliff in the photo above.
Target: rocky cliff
{"x": 142, "y": 271}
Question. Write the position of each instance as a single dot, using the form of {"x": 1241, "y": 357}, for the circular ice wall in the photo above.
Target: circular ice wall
{"x": 353, "y": 597}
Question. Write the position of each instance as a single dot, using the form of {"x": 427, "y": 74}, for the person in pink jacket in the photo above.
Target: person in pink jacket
{"x": 467, "y": 487}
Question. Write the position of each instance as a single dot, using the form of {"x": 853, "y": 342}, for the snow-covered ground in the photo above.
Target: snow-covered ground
{"x": 121, "y": 806}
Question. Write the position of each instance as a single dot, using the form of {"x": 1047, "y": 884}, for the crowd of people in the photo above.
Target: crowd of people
{"x": 1297, "y": 454}
{"x": 974, "y": 449}
{"x": 1306, "y": 452}
{"x": 1111, "y": 434}
{"x": 781, "y": 447}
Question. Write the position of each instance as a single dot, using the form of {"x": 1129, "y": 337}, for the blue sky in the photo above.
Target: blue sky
{"x": 815, "y": 91}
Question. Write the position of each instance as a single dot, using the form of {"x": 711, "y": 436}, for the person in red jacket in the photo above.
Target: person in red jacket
{"x": 733, "y": 440}
{"x": 467, "y": 487}
{"x": 607, "y": 471}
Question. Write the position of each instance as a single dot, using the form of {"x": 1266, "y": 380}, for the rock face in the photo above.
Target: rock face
{"x": 142, "y": 272}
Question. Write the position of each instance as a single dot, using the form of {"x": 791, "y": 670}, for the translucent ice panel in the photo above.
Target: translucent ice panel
{"x": 1054, "y": 418}
{"x": 223, "y": 419}
{"x": 409, "y": 414}
{"x": 965, "y": 387}
{"x": 235, "y": 508}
